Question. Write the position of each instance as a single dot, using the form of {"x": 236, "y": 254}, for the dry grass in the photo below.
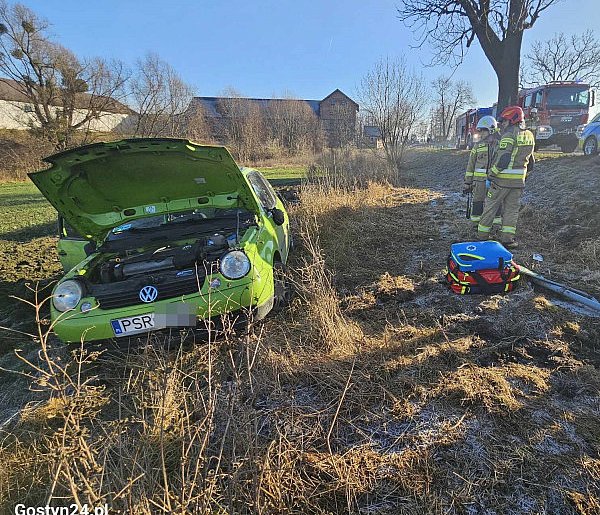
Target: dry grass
{"x": 21, "y": 153}
{"x": 376, "y": 392}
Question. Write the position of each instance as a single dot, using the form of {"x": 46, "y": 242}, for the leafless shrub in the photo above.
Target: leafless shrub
{"x": 337, "y": 169}
{"x": 451, "y": 98}
{"x": 21, "y": 154}
{"x": 394, "y": 99}
{"x": 160, "y": 98}
{"x": 243, "y": 126}
{"x": 293, "y": 125}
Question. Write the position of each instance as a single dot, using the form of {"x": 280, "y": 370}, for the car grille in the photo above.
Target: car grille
{"x": 129, "y": 295}
{"x": 558, "y": 125}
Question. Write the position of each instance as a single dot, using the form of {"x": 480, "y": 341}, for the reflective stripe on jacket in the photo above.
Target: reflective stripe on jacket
{"x": 514, "y": 152}
{"x": 480, "y": 159}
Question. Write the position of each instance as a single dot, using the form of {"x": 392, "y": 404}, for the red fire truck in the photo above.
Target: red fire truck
{"x": 557, "y": 112}
{"x": 466, "y": 126}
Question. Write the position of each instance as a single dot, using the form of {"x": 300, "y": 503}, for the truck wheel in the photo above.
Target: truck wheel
{"x": 590, "y": 146}
{"x": 569, "y": 147}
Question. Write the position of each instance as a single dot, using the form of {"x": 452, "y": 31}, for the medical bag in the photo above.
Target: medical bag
{"x": 484, "y": 267}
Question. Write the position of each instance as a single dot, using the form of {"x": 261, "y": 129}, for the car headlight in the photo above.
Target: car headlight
{"x": 234, "y": 264}
{"x": 579, "y": 130}
{"x": 67, "y": 295}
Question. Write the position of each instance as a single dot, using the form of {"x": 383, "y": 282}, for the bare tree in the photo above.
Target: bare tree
{"x": 66, "y": 93}
{"x": 293, "y": 125}
{"x": 450, "y": 98}
{"x": 394, "y": 99}
{"x": 575, "y": 57}
{"x": 160, "y": 97}
{"x": 452, "y": 26}
{"x": 198, "y": 127}
{"x": 243, "y": 125}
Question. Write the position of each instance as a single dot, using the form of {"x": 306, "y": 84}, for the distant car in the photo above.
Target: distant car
{"x": 161, "y": 233}
{"x": 590, "y": 137}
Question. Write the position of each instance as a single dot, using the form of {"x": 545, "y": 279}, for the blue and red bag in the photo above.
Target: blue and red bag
{"x": 484, "y": 267}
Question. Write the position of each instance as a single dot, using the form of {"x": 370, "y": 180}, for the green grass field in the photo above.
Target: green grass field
{"x": 24, "y": 212}
{"x": 284, "y": 172}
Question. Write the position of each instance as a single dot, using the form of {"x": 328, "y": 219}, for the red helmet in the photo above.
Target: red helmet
{"x": 514, "y": 114}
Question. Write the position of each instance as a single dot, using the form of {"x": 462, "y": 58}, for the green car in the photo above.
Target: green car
{"x": 174, "y": 233}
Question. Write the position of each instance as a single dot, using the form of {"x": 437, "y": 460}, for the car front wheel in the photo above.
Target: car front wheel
{"x": 282, "y": 287}
{"x": 590, "y": 146}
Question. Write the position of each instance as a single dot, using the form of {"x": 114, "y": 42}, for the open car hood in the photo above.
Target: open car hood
{"x": 100, "y": 186}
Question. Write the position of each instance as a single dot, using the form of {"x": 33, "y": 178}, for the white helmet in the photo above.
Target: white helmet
{"x": 488, "y": 122}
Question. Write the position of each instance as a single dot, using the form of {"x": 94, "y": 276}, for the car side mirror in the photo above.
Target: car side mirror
{"x": 593, "y": 99}
{"x": 278, "y": 216}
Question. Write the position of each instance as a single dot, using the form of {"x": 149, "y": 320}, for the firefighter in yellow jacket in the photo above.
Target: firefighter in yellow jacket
{"x": 513, "y": 160}
{"x": 480, "y": 161}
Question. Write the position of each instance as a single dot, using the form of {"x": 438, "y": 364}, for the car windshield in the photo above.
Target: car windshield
{"x": 170, "y": 220}
{"x": 572, "y": 97}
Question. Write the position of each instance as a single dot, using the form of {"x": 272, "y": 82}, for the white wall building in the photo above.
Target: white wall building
{"x": 16, "y": 112}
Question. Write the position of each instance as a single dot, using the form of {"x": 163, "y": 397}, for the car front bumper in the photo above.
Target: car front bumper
{"x": 257, "y": 295}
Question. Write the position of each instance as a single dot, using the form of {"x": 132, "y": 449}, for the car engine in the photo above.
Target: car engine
{"x": 174, "y": 270}
{"x": 121, "y": 268}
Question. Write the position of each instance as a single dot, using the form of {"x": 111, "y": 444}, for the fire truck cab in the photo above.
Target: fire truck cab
{"x": 557, "y": 112}
{"x": 466, "y": 126}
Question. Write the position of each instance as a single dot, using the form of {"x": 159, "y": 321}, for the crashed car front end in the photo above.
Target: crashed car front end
{"x": 173, "y": 256}
{"x": 107, "y": 296}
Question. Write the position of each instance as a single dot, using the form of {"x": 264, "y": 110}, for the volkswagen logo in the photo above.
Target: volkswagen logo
{"x": 148, "y": 294}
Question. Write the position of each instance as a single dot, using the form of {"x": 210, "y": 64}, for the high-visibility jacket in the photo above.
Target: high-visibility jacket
{"x": 480, "y": 159}
{"x": 512, "y": 159}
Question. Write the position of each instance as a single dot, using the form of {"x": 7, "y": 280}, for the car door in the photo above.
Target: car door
{"x": 71, "y": 246}
{"x": 595, "y": 126}
{"x": 269, "y": 201}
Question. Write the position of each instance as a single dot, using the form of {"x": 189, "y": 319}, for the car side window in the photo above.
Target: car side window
{"x": 538, "y": 99}
{"x": 263, "y": 190}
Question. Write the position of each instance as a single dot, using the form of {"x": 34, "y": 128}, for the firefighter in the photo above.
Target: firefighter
{"x": 479, "y": 164}
{"x": 513, "y": 160}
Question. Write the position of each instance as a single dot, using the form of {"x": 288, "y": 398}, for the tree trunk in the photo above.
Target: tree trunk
{"x": 507, "y": 71}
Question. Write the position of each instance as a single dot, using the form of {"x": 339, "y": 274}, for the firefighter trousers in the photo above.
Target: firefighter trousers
{"x": 500, "y": 200}
{"x": 479, "y": 191}
{"x": 479, "y": 195}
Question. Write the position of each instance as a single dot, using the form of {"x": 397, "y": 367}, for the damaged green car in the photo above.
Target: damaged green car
{"x": 174, "y": 233}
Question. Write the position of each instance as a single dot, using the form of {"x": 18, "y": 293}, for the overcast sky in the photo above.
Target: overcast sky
{"x": 266, "y": 48}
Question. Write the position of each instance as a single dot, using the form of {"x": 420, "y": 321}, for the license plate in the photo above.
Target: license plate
{"x": 133, "y": 325}
{"x": 566, "y": 119}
